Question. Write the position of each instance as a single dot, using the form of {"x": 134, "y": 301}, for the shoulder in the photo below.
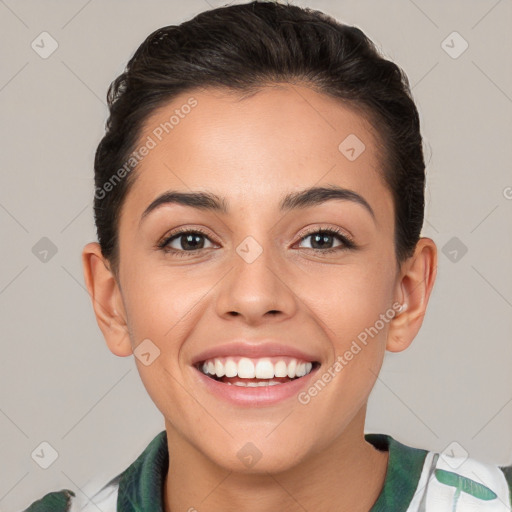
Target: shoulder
{"x": 123, "y": 488}
{"x": 59, "y": 501}
{"x": 66, "y": 500}
{"x": 450, "y": 482}
{"x": 419, "y": 480}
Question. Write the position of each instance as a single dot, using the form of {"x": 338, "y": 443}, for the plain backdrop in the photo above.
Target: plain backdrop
{"x": 59, "y": 382}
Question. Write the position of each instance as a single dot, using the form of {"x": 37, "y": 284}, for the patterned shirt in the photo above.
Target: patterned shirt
{"x": 416, "y": 481}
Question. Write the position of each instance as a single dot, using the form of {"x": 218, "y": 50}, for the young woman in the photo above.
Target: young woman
{"x": 259, "y": 201}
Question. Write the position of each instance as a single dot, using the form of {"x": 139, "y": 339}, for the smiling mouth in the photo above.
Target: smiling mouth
{"x": 247, "y": 372}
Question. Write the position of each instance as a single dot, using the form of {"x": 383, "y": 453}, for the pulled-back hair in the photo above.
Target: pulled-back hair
{"x": 243, "y": 48}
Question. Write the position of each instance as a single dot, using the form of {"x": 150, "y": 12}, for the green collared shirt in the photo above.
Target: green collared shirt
{"x": 416, "y": 481}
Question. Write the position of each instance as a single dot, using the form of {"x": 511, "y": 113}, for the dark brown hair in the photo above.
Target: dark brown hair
{"x": 243, "y": 48}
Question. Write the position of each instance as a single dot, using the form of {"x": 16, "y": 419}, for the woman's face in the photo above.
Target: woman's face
{"x": 258, "y": 277}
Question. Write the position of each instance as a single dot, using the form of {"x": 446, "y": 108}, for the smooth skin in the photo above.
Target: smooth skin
{"x": 252, "y": 152}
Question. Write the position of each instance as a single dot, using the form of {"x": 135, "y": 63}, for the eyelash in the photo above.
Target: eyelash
{"x": 347, "y": 242}
{"x": 176, "y": 234}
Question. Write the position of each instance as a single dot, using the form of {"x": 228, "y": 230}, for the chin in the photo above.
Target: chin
{"x": 258, "y": 456}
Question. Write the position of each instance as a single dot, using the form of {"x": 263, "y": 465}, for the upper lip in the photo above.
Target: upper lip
{"x": 253, "y": 349}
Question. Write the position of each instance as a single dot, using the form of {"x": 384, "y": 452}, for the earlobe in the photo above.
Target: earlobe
{"x": 414, "y": 287}
{"x": 106, "y": 300}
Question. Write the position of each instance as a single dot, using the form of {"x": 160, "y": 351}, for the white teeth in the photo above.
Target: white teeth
{"x": 246, "y": 368}
{"x": 281, "y": 369}
{"x": 291, "y": 368}
{"x": 255, "y": 384}
{"x": 263, "y": 368}
{"x": 219, "y": 368}
{"x": 231, "y": 368}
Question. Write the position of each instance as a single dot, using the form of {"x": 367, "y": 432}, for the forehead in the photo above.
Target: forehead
{"x": 280, "y": 138}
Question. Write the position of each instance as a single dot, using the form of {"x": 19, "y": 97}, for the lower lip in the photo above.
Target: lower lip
{"x": 256, "y": 396}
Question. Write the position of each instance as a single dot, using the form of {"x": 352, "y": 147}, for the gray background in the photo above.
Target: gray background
{"x": 61, "y": 384}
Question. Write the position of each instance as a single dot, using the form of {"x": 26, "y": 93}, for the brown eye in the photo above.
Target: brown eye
{"x": 322, "y": 240}
{"x": 185, "y": 241}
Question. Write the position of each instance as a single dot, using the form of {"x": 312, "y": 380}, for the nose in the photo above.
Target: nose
{"x": 255, "y": 287}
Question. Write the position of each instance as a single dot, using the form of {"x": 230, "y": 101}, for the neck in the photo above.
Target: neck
{"x": 349, "y": 472}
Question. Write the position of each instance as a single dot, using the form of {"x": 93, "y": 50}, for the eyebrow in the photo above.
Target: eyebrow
{"x": 293, "y": 201}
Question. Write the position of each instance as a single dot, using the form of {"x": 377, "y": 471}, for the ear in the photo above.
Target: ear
{"x": 415, "y": 283}
{"x": 106, "y": 300}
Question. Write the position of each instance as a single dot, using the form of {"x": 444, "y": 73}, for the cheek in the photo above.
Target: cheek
{"x": 352, "y": 310}
{"x": 159, "y": 299}
{"x": 351, "y": 301}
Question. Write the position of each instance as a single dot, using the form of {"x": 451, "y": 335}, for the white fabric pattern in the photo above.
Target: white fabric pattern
{"x": 432, "y": 495}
